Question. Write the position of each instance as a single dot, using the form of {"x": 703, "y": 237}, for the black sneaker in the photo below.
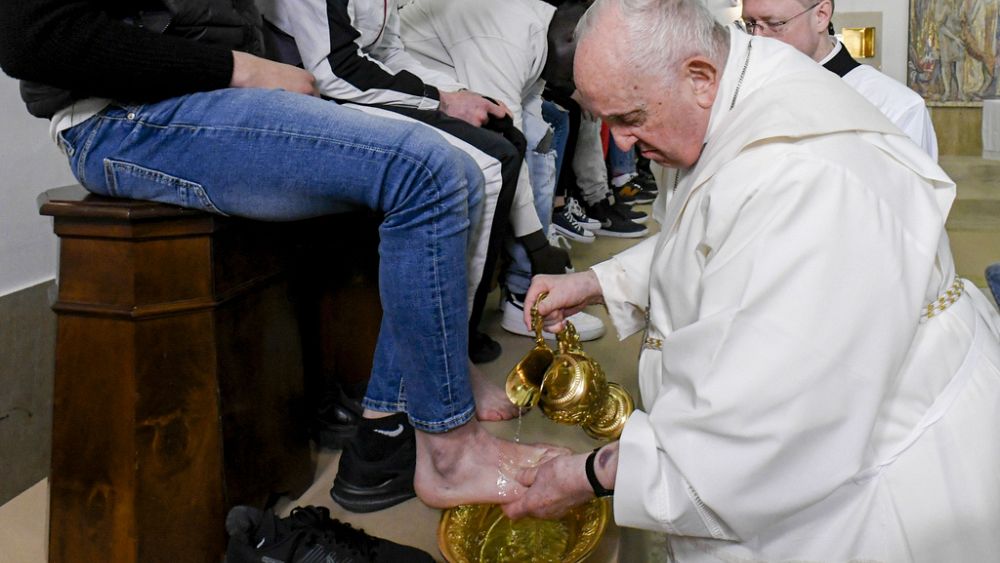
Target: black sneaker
{"x": 336, "y": 419}
{"x": 626, "y": 193}
{"x": 566, "y": 225}
{"x": 482, "y": 348}
{"x": 308, "y": 535}
{"x": 369, "y": 483}
{"x": 613, "y": 223}
{"x": 647, "y": 183}
{"x": 636, "y": 194}
{"x": 630, "y": 213}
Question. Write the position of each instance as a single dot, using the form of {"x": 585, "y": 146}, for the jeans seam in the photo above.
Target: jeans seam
{"x": 84, "y": 152}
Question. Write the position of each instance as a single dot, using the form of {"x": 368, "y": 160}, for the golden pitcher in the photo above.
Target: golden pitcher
{"x": 569, "y": 386}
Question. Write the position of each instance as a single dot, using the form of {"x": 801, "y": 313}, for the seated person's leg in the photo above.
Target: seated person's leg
{"x": 528, "y": 256}
{"x": 617, "y": 219}
{"x": 272, "y": 155}
{"x": 558, "y": 119}
{"x": 499, "y": 161}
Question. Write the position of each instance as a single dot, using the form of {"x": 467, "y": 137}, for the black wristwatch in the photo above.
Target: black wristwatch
{"x": 599, "y": 489}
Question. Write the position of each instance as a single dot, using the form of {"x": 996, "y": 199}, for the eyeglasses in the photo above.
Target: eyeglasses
{"x": 775, "y": 27}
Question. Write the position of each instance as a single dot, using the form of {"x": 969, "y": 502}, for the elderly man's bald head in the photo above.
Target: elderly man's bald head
{"x": 651, "y": 69}
{"x": 659, "y": 34}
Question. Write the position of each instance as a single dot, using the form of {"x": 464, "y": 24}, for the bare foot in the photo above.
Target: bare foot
{"x": 492, "y": 403}
{"x": 468, "y": 465}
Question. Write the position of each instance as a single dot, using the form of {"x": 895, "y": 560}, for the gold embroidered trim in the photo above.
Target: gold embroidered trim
{"x": 940, "y": 305}
{"x": 945, "y": 300}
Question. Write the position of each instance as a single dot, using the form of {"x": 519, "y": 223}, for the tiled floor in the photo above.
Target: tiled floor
{"x": 975, "y": 232}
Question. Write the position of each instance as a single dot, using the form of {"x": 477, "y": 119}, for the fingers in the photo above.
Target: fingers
{"x": 498, "y": 109}
{"x": 526, "y": 476}
{"x": 515, "y": 510}
{"x": 250, "y": 71}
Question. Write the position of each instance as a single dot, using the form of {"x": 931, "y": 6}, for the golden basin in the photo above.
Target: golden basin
{"x": 480, "y": 533}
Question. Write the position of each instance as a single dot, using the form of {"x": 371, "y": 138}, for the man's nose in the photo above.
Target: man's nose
{"x": 623, "y": 137}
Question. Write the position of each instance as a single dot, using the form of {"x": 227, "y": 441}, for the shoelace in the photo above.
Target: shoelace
{"x": 576, "y": 209}
{"x": 567, "y": 214}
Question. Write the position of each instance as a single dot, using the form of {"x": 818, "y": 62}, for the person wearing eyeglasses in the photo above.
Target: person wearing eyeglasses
{"x": 805, "y": 25}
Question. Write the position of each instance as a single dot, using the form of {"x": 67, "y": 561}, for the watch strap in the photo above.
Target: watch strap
{"x": 599, "y": 490}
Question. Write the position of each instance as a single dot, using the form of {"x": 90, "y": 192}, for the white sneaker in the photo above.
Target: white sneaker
{"x": 587, "y": 326}
{"x": 580, "y": 216}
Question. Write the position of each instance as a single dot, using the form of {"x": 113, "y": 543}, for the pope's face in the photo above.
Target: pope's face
{"x": 666, "y": 120}
{"x": 806, "y": 23}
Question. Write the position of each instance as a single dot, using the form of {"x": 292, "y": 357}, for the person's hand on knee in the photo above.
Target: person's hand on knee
{"x": 250, "y": 71}
{"x": 471, "y": 107}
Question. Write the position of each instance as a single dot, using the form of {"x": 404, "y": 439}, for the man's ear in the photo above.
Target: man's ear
{"x": 823, "y": 14}
{"x": 703, "y": 77}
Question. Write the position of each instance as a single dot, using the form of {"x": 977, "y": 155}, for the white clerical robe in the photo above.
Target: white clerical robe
{"x": 797, "y": 403}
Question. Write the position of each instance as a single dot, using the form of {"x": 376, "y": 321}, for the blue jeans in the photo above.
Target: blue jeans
{"x": 541, "y": 171}
{"x": 276, "y": 156}
{"x": 993, "y": 280}
{"x": 558, "y": 119}
{"x": 619, "y": 161}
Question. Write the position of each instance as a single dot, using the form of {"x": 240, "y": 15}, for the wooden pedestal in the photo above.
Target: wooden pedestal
{"x": 179, "y": 379}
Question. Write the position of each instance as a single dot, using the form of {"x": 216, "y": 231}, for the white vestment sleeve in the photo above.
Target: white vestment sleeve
{"x": 649, "y": 501}
{"x": 624, "y": 283}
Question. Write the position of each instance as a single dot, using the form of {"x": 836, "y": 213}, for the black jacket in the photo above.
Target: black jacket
{"x": 131, "y": 51}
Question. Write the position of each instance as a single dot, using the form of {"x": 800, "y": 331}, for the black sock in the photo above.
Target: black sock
{"x": 379, "y": 437}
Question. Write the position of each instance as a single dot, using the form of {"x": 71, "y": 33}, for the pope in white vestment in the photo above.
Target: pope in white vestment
{"x": 816, "y": 382}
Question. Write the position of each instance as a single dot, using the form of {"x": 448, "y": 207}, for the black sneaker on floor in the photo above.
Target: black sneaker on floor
{"x": 482, "y": 348}
{"x": 626, "y": 193}
{"x": 630, "y": 213}
{"x": 364, "y": 484}
{"x": 637, "y": 194}
{"x": 613, "y": 223}
{"x": 336, "y": 419}
{"x": 566, "y": 225}
{"x": 308, "y": 535}
{"x": 647, "y": 183}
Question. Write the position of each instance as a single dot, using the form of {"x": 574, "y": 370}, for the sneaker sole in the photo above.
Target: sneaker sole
{"x": 364, "y": 500}
{"x": 615, "y": 234}
{"x": 573, "y": 236}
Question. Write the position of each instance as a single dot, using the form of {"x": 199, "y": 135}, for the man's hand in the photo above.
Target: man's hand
{"x": 470, "y": 107}
{"x": 554, "y": 487}
{"x": 250, "y": 71}
{"x": 568, "y": 295}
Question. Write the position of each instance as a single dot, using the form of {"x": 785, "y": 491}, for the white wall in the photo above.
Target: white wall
{"x": 895, "y": 31}
{"x": 30, "y": 163}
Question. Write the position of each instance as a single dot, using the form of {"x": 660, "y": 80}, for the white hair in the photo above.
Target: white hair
{"x": 663, "y": 33}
